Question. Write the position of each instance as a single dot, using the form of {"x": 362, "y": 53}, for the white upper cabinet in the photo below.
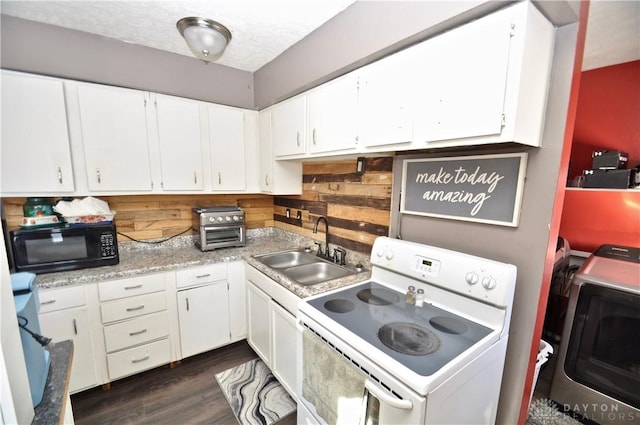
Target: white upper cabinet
{"x": 484, "y": 82}
{"x": 276, "y": 177}
{"x": 332, "y": 110}
{"x": 461, "y": 78}
{"x": 180, "y": 143}
{"x": 227, "y": 145}
{"x": 289, "y": 126}
{"x": 386, "y": 101}
{"x": 115, "y": 138}
{"x": 35, "y": 153}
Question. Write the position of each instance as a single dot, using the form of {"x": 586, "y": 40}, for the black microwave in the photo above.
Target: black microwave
{"x": 64, "y": 248}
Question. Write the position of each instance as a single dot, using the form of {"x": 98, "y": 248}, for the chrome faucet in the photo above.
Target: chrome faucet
{"x": 326, "y": 237}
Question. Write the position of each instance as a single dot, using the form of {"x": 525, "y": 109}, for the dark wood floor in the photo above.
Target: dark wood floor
{"x": 185, "y": 394}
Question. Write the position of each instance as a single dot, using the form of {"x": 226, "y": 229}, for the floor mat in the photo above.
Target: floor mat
{"x": 254, "y": 394}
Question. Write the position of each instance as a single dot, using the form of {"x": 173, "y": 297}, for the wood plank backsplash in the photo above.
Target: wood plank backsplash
{"x": 158, "y": 216}
{"x": 358, "y": 207}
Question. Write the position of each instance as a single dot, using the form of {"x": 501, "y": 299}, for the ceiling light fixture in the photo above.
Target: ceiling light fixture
{"x": 207, "y": 39}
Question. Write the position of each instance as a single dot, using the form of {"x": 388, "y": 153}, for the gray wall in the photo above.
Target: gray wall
{"x": 50, "y": 50}
{"x": 527, "y": 245}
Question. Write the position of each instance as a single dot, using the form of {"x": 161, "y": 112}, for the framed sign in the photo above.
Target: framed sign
{"x": 483, "y": 188}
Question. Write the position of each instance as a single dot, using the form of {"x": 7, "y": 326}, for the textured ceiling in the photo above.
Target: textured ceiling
{"x": 262, "y": 30}
{"x": 613, "y": 33}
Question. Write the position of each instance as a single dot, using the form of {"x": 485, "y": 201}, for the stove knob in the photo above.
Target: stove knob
{"x": 227, "y": 218}
{"x": 389, "y": 254}
{"x": 220, "y": 219}
{"x": 236, "y": 218}
{"x": 471, "y": 278}
{"x": 380, "y": 252}
{"x": 489, "y": 283}
{"x": 212, "y": 219}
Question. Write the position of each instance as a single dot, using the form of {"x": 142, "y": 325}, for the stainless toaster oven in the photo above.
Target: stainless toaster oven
{"x": 218, "y": 227}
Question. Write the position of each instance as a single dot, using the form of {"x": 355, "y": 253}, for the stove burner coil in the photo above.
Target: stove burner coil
{"x": 339, "y": 305}
{"x": 409, "y": 338}
{"x": 449, "y": 325}
{"x": 378, "y": 296}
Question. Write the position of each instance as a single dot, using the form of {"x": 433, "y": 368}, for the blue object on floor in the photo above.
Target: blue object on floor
{"x": 37, "y": 359}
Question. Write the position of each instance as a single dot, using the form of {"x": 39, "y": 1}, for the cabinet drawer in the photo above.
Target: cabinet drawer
{"x": 136, "y": 331}
{"x": 59, "y": 299}
{"x": 126, "y": 308}
{"x": 128, "y": 287}
{"x": 204, "y": 274}
{"x": 137, "y": 359}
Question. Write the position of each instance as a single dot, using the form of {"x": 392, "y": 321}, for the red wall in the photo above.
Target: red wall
{"x": 608, "y": 115}
{"x": 607, "y": 118}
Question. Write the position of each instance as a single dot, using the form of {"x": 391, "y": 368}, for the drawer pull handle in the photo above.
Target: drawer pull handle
{"x": 137, "y": 332}
{"x": 187, "y": 300}
{"x": 140, "y": 307}
{"x": 200, "y": 276}
{"x": 48, "y": 302}
{"x": 75, "y": 327}
{"x": 140, "y": 359}
{"x": 133, "y": 287}
{"x": 59, "y": 175}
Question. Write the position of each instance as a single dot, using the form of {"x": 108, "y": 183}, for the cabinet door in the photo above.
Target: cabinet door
{"x": 203, "y": 315}
{"x": 284, "y": 363}
{"x": 276, "y": 177}
{"x": 73, "y": 324}
{"x": 180, "y": 143}
{"x": 35, "y": 152}
{"x": 258, "y": 324}
{"x": 385, "y": 102}
{"x": 333, "y": 115}
{"x": 266, "y": 151}
{"x": 114, "y": 132}
{"x": 461, "y": 80}
{"x": 237, "y": 301}
{"x": 288, "y": 120}
{"x": 226, "y": 139}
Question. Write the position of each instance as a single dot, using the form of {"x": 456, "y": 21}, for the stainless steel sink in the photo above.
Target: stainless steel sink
{"x": 281, "y": 260}
{"x": 311, "y": 274}
{"x": 304, "y": 267}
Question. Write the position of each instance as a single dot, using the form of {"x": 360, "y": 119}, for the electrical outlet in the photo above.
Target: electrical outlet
{"x": 299, "y": 215}
{"x": 288, "y": 212}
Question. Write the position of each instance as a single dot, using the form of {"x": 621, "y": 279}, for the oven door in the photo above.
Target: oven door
{"x": 604, "y": 348}
{"x": 222, "y": 236}
{"x": 337, "y": 385}
{"x": 598, "y": 372}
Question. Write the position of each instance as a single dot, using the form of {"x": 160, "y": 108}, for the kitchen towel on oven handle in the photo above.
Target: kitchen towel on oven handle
{"x": 330, "y": 383}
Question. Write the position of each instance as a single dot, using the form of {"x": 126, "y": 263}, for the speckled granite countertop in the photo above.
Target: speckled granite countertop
{"x": 180, "y": 253}
{"x": 51, "y": 409}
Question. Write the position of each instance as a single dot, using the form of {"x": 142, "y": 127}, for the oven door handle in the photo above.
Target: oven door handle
{"x": 386, "y": 398}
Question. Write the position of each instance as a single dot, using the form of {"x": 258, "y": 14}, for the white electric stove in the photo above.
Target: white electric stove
{"x": 368, "y": 356}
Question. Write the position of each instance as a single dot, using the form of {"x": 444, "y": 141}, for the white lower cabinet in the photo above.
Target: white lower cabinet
{"x": 271, "y": 326}
{"x": 205, "y": 302}
{"x": 126, "y": 326}
{"x": 283, "y": 343}
{"x": 203, "y": 313}
{"x": 136, "y": 324}
{"x": 136, "y": 359}
{"x": 258, "y": 323}
{"x": 237, "y": 301}
{"x": 64, "y": 315}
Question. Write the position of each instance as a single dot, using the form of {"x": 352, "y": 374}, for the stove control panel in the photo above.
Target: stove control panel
{"x": 479, "y": 278}
{"x": 426, "y": 266}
